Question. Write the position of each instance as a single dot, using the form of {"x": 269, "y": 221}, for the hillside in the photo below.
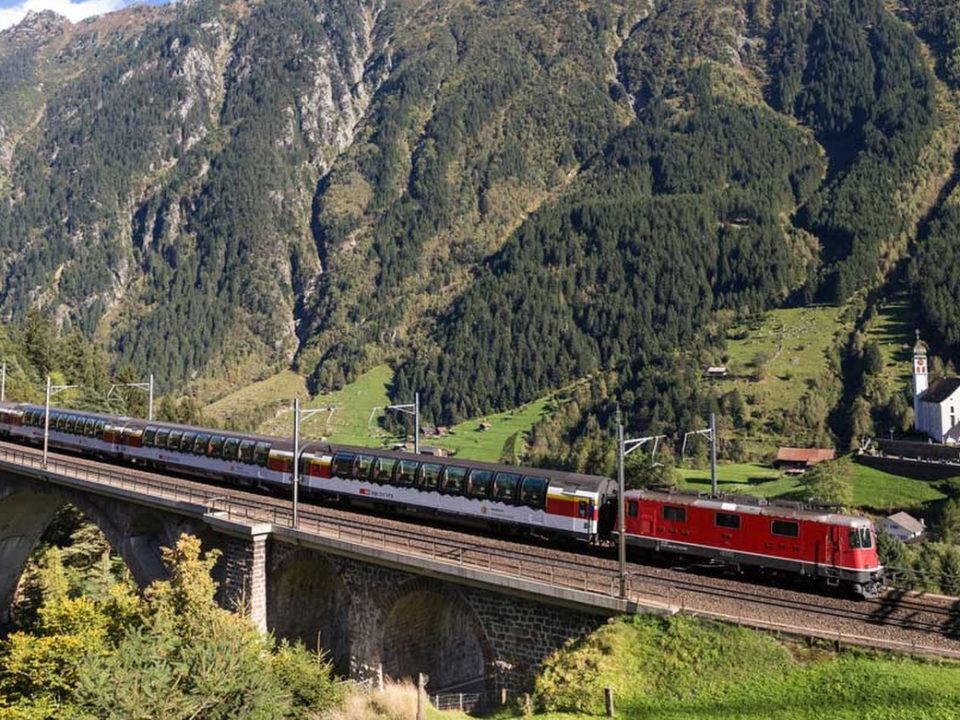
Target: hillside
{"x": 497, "y": 200}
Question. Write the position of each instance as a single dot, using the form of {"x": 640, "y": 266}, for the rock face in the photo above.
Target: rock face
{"x": 160, "y": 180}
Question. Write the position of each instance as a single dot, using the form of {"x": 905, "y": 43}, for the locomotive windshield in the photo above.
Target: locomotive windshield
{"x": 860, "y": 538}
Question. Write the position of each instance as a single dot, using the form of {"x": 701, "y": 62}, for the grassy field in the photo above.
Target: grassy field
{"x": 504, "y": 439}
{"x": 360, "y": 405}
{"x": 893, "y": 330}
{"x": 269, "y": 393}
{"x": 871, "y": 488}
{"x": 350, "y": 422}
{"x": 681, "y": 668}
{"x": 793, "y": 344}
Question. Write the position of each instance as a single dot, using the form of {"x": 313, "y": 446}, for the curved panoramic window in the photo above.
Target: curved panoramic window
{"x": 216, "y": 446}
{"x": 342, "y": 465}
{"x": 173, "y": 441}
{"x": 454, "y": 480}
{"x": 505, "y": 487}
{"x": 186, "y": 442}
{"x": 429, "y": 476}
{"x": 246, "y": 450}
{"x": 162, "y": 435}
{"x": 149, "y": 437}
{"x": 383, "y": 470}
{"x": 533, "y": 492}
{"x": 480, "y": 482}
{"x": 362, "y": 466}
{"x": 406, "y": 472}
{"x": 261, "y": 454}
{"x": 201, "y": 444}
{"x": 230, "y": 448}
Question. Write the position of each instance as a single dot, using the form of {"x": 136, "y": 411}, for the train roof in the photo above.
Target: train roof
{"x": 749, "y": 505}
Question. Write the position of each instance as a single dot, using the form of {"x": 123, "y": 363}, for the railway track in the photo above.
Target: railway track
{"x": 900, "y": 620}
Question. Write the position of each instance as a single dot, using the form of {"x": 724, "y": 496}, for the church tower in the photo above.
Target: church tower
{"x": 919, "y": 374}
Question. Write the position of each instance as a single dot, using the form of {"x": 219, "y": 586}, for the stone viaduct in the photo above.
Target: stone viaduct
{"x": 372, "y": 609}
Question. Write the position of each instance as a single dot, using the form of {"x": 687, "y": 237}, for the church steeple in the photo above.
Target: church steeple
{"x": 919, "y": 373}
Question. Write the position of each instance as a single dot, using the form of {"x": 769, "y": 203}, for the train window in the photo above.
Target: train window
{"x": 383, "y": 470}
{"x": 633, "y": 508}
{"x": 261, "y": 453}
{"x": 785, "y": 528}
{"x": 728, "y": 520}
{"x": 216, "y": 446}
{"x": 149, "y": 436}
{"x": 343, "y": 464}
{"x": 533, "y": 492}
{"x": 361, "y": 467}
{"x": 674, "y": 514}
{"x": 454, "y": 480}
{"x": 429, "y": 476}
{"x": 480, "y": 483}
{"x": 90, "y": 428}
{"x": 61, "y": 421}
{"x": 162, "y": 435}
{"x": 201, "y": 444}
{"x": 71, "y": 424}
{"x": 230, "y": 448}
{"x": 186, "y": 442}
{"x": 855, "y": 538}
{"x": 406, "y": 472}
{"x": 101, "y": 424}
{"x": 505, "y": 487}
{"x": 173, "y": 441}
{"x": 865, "y": 540}
{"x": 246, "y": 450}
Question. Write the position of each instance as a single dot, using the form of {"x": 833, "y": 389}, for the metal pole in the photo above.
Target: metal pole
{"x": 713, "y": 453}
{"x": 416, "y": 423}
{"x": 3, "y": 383}
{"x": 621, "y": 491}
{"x": 296, "y": 462}
{"x": 150, "y": 400}
{"x": 46, "y": 425}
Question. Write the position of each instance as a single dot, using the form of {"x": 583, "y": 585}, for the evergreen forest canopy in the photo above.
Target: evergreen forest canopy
{"x": 498, "y": 198}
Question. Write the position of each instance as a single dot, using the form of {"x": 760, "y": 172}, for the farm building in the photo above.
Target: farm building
{"x": 903, "y": 527}
{"x": 934, "y": 404}
{"x": 798, "y": 460}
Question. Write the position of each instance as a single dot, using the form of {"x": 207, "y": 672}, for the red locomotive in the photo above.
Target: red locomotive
{"x": 840, "y": 549}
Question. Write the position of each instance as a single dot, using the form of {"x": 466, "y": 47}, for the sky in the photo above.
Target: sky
{"x": 12, "y": 11}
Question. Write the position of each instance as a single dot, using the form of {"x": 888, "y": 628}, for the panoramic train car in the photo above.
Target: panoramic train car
{"x": 840, "y": 549}
{"x": 499, "y": 496}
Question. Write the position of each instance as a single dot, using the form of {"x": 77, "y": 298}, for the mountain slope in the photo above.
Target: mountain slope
{"x": 497, "y": 198}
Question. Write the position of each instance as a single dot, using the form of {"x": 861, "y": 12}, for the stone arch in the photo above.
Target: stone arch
{"x": 308, "y": 600}
{"x": 429, "y": 627}
{"x": 27, "y": 506}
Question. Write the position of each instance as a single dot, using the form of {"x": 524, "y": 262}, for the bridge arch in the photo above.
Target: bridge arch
{"x": 308, "y": 600}
{"x": 429, "y": 627}
{"x": 27, "y": 507}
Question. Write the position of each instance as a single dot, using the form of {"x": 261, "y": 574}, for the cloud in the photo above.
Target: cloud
{"x": 73, "y": 11}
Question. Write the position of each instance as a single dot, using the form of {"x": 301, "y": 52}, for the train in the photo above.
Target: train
{"x": 832, "y": 548}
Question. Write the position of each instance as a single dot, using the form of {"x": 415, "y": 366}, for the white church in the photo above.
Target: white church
{"x": 935, "y": 406}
